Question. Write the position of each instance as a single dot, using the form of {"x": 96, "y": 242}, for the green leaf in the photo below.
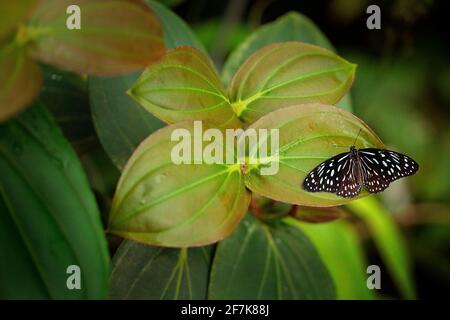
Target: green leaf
{"x": 308, "y": 135}
{"x": 184, "y": 86}
{"x": 115, "y": 37}
{"x": 49, "y": 219}
{"x": 65, "y": 95}
{"x": 293, "y": 26}
{"x": 121, "y": 123}
{"x": 176, "y": 31}
{"x": 342, "y": 253}
{"x": 268, "y": 261}
{"x": 389, "y": 241}
{"x": 14, "y": 12}
{"x": 288, "y": 73}
{"x": 145, "y": 272}
{"x": 20, "y": 80}
{"x": 176, "y": 205}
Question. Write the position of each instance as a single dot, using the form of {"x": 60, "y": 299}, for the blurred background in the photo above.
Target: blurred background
{"x": 402, "y": 90}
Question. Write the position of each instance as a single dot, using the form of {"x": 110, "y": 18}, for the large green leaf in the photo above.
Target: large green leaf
{"x": 293, "y": 26}
{"x": 176, "y": 205}
{"x": 65, "y": 95}
{"x": 20, "y": 80}
{"x": 13, "y": 13}
{"x": 49, "y": 219}
{"x": 389, "y": 241}
{"x": 115, "y": 37}
{"x": 121, "y": 123}
{"x": 184, "y": 86}
{"x": 145, "y": 272}
{"x": 308, "y": 135}
{"x": 268, "y": 261}
{"x": 176, "y": 31}
{"x": 342, "y": 253}
{"x": 285, "y": 74}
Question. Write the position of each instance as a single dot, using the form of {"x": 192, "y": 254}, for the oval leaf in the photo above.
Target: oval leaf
{"x": 284, "y": 74}
{"x": 292, "y": 26}
{"x": 145, "y": 272}
{"x": 114, "y": 37}
{"x": 49, "y": 218}
{"x": 20, "y": 80}
{"x": 308, "y": 135}
{"x": 184, "y": 86}
{"x": 268, "y": 261}
{"x": 109, "y": 101}
{"x": 162, "y": 203}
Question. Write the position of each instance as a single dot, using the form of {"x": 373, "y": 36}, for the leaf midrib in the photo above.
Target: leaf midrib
{"x": 125, "y": 218}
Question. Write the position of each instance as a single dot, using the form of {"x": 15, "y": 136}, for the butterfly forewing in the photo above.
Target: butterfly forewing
{"x": 328, "y": 175}
{"x": 381, "y": 167}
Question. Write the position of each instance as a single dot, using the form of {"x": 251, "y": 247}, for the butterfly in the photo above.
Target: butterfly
{"x": 346, "y": 173}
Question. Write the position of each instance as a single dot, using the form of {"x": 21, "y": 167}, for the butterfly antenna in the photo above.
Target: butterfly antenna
{"x": 336, "y": 146}
{"x": 357, "y": 136}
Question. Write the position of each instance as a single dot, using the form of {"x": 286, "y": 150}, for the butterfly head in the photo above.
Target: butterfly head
{"x": 353, "y": 151}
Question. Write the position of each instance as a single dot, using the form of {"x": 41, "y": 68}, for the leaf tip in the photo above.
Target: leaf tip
{"x": 131, "y": 92}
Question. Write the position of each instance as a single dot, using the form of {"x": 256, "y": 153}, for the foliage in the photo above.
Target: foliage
{"x": 101, "y": 47}
{"x": 194, "y": 231}
{"x": 49, "y": 217}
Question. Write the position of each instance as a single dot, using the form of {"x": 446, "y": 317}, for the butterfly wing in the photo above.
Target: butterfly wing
{"x": 350, "y": 185}
{"x": 380, "y": 167}
{"x": 373, "y": 177}
{"x": 337, "y": 175}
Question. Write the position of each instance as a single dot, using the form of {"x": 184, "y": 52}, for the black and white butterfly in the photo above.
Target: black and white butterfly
{"x": 346, "y": 173}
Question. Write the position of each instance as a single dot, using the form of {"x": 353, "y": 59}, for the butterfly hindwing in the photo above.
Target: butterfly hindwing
{"x": 327, "y": 175}
{"x": 350, "y": 186}
{"x": 372, "y": 178}
{"x": 380, "y": 167}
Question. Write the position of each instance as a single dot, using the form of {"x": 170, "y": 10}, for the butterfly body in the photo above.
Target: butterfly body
{"x": 347, "y": 173}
